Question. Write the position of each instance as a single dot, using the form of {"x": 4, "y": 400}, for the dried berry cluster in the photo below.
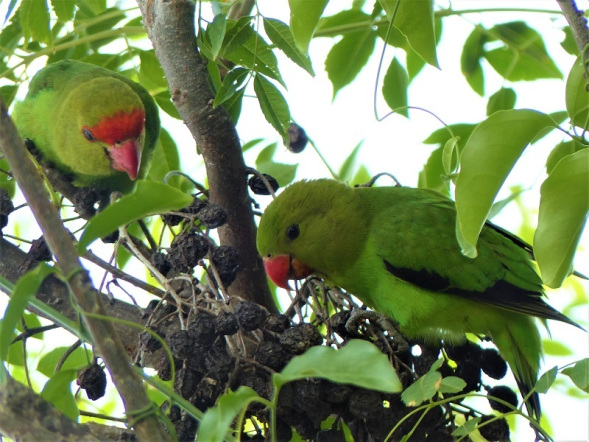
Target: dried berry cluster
{"x": 244, "y": 344}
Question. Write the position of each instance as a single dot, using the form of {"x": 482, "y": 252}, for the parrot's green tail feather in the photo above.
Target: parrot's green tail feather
{"x": 520, "y": 345}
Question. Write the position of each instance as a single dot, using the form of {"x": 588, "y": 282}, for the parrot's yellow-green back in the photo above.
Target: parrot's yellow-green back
{"x": 90, "y": 123}
{"x": 395, "y": 248}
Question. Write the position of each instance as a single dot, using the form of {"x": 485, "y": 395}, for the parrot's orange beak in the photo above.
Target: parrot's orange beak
{"x": 281, "y": 268}
{"x": 126, "y": 157}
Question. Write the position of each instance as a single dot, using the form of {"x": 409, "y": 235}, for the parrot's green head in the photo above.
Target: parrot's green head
{"x": 311, "y": 227}
{"x": 100, "y": 129}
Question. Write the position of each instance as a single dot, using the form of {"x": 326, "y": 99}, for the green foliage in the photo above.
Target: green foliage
{"x": 148, "y": 198}
{"x": 476, "y": 190}
{"x": 564, "y": 205}
{"x": 241, "y": 58}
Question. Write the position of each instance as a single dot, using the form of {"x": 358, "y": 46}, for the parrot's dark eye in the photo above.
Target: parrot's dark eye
{"x": 293, "y": 232}
{"x": 88, "y": 134}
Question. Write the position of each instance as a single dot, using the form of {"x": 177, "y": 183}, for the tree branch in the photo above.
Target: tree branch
{"x": 170, "y": 26}
{"x": 577, "y": 22}
{"x": 103, "y": 333}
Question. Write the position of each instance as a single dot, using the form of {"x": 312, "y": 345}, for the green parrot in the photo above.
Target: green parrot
{"x": 92, "y": 124}
{"x": 395, "y": 248}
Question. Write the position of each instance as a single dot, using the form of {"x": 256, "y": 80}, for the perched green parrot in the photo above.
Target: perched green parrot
{"x": 92, "y": 124}
{"x": 396, "y": 249}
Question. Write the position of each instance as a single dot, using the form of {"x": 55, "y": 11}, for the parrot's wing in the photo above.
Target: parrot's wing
{"x": 416, "y": 241}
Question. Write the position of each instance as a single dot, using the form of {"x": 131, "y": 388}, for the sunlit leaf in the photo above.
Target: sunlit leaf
{"x": 273, "y": 105}
{"x": 77, "y": 359}
{"x": 25, "y": 290}
{"x": 503, "y": 99}
{"x": 216, "y": 422}
{"x": 415, "y": 19}
{"x": 394, "y": 87}
{"x": 577, "y": 95}
{"x": 357, "y": 363}
{"x": 216, "y": 31}
{"x": 304, "y": 16}
{"x": 281, "y": 35}
{"x": 64, "y": 9}
{"x": 546, "y": 380}
{"x": 58, "y": 392}
{"x": 579, "y": 374}
{"x": 476, "y": 186}
{"x": 423, "y": 389}
{"x": 148, "y": 198}
{"x": 470, "y": 60}
{"x": 564, "y": 205}
{"x": 34, "y": 20}
{"x": 348, "y": 56}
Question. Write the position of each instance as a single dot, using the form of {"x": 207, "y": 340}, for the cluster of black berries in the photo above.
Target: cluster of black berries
{"x": 6, "y": 207}
{"x": 192, "y": 245}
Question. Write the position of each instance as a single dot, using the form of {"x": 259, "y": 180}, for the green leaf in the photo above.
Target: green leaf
{"x": 394, "y": 88}
{"x": 564, "y": 204}
{"x": 357, "y": 363}
{"x": 503, "y": 99}
{"x": 546, "y": 380}
{"x": 34, "y": 20}
{"x": 523, "y": 55}
{"x": 273, "y": 105}
{"x": 441, "y": 136}
{"x": 341, "y": 22}
{"x": 555, "y": 348}
{"x": 58, "y": 392}
{"x": 432, "y": 174}
{"x": 283, "y": 173}
{"x": 497, "y": 143}
{"x": 577, "y": 95}
{"x": 165, "y": 159}
{"x": 346, "y": 171}
{"x": 560, "y": 151}
{"x": 423, "y": 389}
{"x": 164, "y": 101}
{"x": 76, "y": 360}
{"x": 348, "y": 56}
{"x": 151, "y": 74}
{"x": 148, "y": 198}
{"x": 215, "y": 425}
{"x": 64, "y": 9}
{"x": 415, "y": 19}
{"x": 452, "y": 384}
{"x": 579, "y": 374}
{"x": 256, "y": 55}
{"x": 281, "y": 35}
{"x": 468, "y": 427}
{"x": 236, "y": 34}
{"x": 450, "y": 155}
{"x": 569, "y": 44}
{"x": 24, "y": 291}
{"x": 470, "y": 60}
{"x": 216, "y": 31}
{"x": 304, "y": 16}
{"x": 232, "y": 81}
{"x": 233, "y": 105}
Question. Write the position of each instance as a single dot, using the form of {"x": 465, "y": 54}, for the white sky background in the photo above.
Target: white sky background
{"x": 395, "y": 144}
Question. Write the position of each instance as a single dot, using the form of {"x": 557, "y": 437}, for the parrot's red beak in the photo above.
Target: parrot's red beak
{"x": 281, "y": 268}
{"x": 126, "y": 157}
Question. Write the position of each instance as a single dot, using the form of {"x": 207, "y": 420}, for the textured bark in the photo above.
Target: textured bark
{"x": 577, "y": 22}
{"x": 104, "y": 336}
{"x": 170, "y": 26}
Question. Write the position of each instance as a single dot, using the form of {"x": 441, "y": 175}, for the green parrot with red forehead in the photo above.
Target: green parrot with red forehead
{"x": 92, "y": 124}
{"x": 395, "y": 248}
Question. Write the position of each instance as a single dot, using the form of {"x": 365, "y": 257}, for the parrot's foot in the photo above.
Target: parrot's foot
{"x": 383, "y": 321}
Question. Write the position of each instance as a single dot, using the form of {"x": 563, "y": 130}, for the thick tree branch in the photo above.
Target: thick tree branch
{"x": 577, "y": 22}
{"x": 58, "y": 239}
{"x": 25, "y": 416}
{"x": 170, "y": 26}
